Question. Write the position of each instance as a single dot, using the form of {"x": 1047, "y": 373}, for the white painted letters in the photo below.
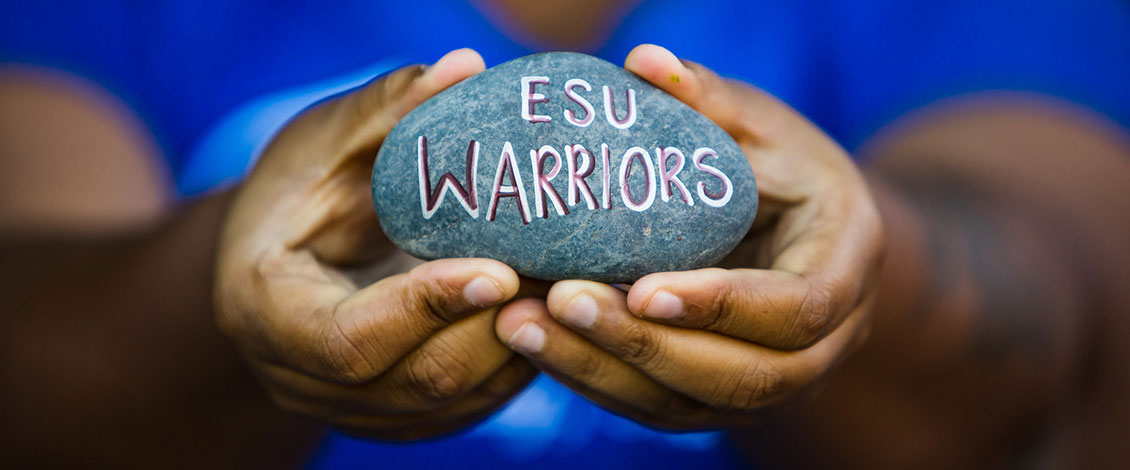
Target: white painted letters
{"x": 606, "y": 196}
{"x": 578, "y": 187}
{"x": 610, "y": 109}
{"x": 542, "y": 187}
{"x": 664, "y": 176}
{"x": 712, "y": 199}
{"x": 430, "y": 200}
{"x": 515, "y": 189}
{"x": 669, "y": 177}
{"x": 570, "y": 116}
{"x": 531, "y": 97}
{"x": 580, "y": 163}
{"x": 633, "y": 154}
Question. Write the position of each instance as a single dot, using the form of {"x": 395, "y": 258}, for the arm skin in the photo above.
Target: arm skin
{"x": 110, "y": 353}
{"x": 999, "y": 336}
{"x": 111, "y": 356}
{"x": 114, "y": 346}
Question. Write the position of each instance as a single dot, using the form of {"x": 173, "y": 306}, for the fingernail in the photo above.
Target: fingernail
{"x": 580, "y": 312}
{"x": 529, "y": 338}
{"x": 664, "y": 305}
{"x": 482, "y": 291}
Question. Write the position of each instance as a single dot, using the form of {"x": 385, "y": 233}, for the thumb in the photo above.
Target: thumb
{"x": 744, "y": 111}
{"x": 375, "y": 108}
{"x": 342, "y": 228}
{"x": 347, "y": 130}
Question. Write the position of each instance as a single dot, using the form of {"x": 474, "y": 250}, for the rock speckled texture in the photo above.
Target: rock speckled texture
{"x": 616, "y": 244}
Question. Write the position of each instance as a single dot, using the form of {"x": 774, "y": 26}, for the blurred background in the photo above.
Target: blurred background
{"x": 198, "y": 88}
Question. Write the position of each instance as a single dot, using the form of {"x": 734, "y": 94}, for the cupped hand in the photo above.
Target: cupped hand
{"x": 710, "y": 347}
{"x": 412, "y": 355}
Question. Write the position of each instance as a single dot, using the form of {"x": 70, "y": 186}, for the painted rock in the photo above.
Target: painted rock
{"x": 563, "y": 166}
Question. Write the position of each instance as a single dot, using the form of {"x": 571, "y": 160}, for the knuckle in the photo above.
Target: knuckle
{"x": 344, "y": 356}
{"x": 639, "y": 344}
{"x": 426, "y": 295}
{"x": 704, "y": 75}
{"x": 721, "y": 307}
{"x": 437, "y": 375}
{"x": 813, "y": 317}
{"x": 754, "y": 387}
{"x": 383, "y": 90}
{"x": 589, "y": 368}
{"x": 415, "y": 300}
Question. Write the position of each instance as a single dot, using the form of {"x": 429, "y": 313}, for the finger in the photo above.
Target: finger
{"x": 827, "y": 244}
{"x": 476, "y": 405}
{"x": 606, "y": 380}
{"x": 824, "y": 257}
{"x": 738, "y": 108}
{"x": 335, "y": 219}
{"x": 444, "y": 368}
{"x": 447, "y": 366}
{"x": 720, "y": 371}
{"x": 373, "y": 110}
{"x": 320, "y": 329}
{"x": 347, "y": 129}
{"x": 758, "y": 121}
{"x": 777, "y": 309}
{"x": 309, "y": 396}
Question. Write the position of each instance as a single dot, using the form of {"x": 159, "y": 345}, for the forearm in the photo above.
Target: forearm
{"x": 995, "y": 334}
{"x": 167, "y": 266}
{"x": 976, "y": 289}
{"x": 115, "y": 338}
{"x": 1007, "y": 231}
{"x": 972, "y": 340}
{"x": 1007, "y": 240}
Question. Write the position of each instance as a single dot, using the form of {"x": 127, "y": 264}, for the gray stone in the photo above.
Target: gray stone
{"x": 619, "y": 237}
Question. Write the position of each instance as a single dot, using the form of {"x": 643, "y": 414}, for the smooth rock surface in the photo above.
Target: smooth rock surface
{"x": 465, "y": 132}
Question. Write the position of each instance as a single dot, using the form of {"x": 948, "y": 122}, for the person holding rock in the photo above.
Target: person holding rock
{"x": 955, "y": 301}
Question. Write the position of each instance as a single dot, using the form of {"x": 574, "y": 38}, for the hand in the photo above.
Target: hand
{"x": 413, "y": 355}
{"x": 705, "y": 348}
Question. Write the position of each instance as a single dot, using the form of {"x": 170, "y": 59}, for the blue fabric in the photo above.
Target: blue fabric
{"x": 849, "y": 65}
{"x": 214, "y": 79}
{"x": 547, "y": 426}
